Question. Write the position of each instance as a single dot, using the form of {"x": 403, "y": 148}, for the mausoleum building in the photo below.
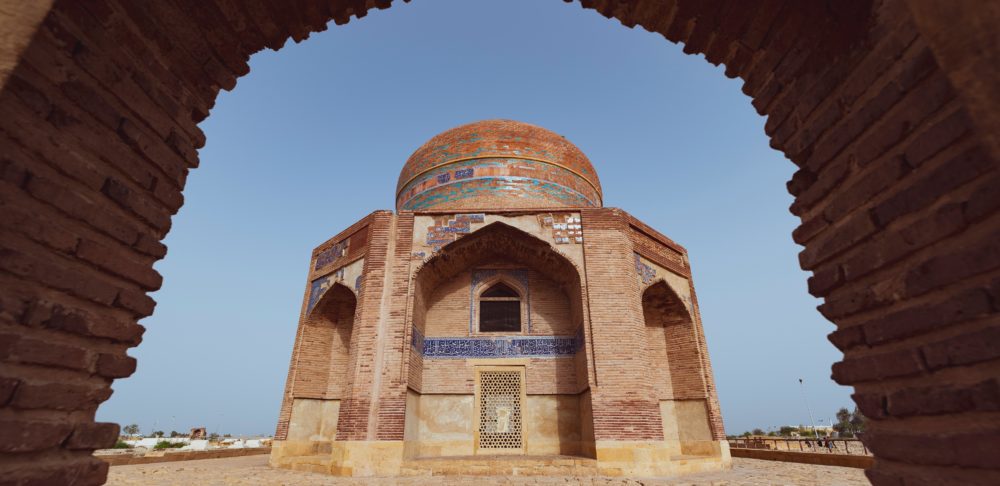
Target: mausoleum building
{"x": 501, "y": 321}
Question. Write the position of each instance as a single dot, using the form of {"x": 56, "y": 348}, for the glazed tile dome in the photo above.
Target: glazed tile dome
{"x": 497, "y": 164}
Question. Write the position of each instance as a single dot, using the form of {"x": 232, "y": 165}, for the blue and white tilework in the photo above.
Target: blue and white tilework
{"x": 566, "y": 228}
{"x": 319, "y": 287}
{"x": 646, "y": 273}
{"x": 331, "y": 254}
{"x": 499, "y": 347}
{"x": 447, "y": 229}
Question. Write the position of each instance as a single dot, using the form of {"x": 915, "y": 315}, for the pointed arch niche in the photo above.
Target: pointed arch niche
{"x": 321, "y": 377}
{"x": 678, "y": 371}
{"x": 498, "y": 263}
{"x": 501, "y": 305}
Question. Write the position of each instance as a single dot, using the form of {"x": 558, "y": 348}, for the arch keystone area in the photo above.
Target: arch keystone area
{"x": 888, "y": 108}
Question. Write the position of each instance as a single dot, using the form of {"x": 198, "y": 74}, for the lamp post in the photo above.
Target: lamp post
{"x": 802, "y": 386}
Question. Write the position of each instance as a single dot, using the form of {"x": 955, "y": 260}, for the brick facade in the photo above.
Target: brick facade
{"x": 415, "y": 299}
{"x": 888, "y": 108}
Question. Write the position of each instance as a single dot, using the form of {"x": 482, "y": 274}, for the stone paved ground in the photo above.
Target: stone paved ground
{"x": 253, "y": 470}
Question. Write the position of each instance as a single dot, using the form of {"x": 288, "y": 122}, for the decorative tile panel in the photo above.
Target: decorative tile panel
{"x": 417, "y": 340}
{"x": 331, "y": 254}
{"x": 566, "y": 228}
{"x": 319, "y": 287}
{"x": 447, "y": 229}
{"x": 499, "y": 347}
{"x": 348, "y": 275}
{"x": 646, "y": 273}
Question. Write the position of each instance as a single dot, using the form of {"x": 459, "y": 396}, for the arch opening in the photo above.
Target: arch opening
{"x": 499, "y": 309}
{"x": 854, "y": 93}
{"x": 677, "y": 368}
{"x": 321, "y": 375}
{"x": 498, "y": 263}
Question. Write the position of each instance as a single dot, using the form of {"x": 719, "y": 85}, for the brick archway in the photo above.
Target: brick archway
{"x": 887, "y": 106}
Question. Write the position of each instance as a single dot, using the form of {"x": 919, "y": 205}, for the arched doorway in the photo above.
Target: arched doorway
{"x": 880, "y": 103}
{"x": 321, "y": 372}
{"x": 499, "y": 286}
{"x": 672, "y": 341}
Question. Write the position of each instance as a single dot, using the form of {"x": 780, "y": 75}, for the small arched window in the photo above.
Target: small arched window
{"x": 500, "y": 309}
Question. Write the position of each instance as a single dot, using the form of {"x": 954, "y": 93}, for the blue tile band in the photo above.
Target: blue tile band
{"x": 498, "y": 347}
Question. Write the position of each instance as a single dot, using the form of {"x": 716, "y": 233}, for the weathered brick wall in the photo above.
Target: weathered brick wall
{"x": 656, "y": 347}
{"x": 544, "y": 376}
{"x": 550, "y": 310}
{"x": 442, "y": 308}
{"x": 714, "y": 410}
{"x": 658, "y": 248}
{"x": 285, "y": 412}
{"x": 418, "y": 319}
{"x": 687, "y": 350}
{"x": 321, "y": 360}
{"x": 665, "y": 312}
{"x": 447, "y": 312}
{"x": 391, "y": 406}
{"x": 664, "y": 315}
{"x": 355, "y": 236}
{"x": 358, "y": 408}
{"x": 625, "y": 406}
{"x": 892, "y": 123}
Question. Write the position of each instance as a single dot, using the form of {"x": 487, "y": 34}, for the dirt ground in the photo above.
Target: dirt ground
{"x": 253, "y": 470}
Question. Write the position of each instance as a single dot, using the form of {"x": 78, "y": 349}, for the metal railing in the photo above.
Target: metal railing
{"x": 820, "y": 446}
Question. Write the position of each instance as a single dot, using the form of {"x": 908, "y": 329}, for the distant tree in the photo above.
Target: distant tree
{"x": 843, "y": 415}
{"x": 158, "y": 433}
{"x": 226, "y": 435}
{"x": 786, "y": 430}
{"x": 174, "y": 433}
{"x": 758, "y": 432}
{"x": 772, "y": 434}
{"x": 746, "y": 434}
{"x": 131, "y": 429}
{"x": 213, "y": 437}
{"x": 858, "y": 421}
{"x": 849, "y": 423}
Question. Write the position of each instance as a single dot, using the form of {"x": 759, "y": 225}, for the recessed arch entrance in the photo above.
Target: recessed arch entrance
{"x": 449, "y": 289}
{"x": 885, "y": 106}
{"x": 673, "y": 342}
{"x": 319, "y": 376}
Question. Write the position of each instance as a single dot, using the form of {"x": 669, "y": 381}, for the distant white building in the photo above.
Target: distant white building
{"x": 150, "y": 442}
{"x": 200, "y": 444}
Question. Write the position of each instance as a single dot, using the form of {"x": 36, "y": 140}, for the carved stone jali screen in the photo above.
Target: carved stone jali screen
{"x": 499, "y": 402}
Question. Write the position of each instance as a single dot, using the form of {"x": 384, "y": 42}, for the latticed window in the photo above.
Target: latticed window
{"x": 500, "y": 402}
{"x": 500, "y": 309}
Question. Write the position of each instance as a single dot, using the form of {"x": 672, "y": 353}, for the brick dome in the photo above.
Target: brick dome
{"x": 497, "y": 164}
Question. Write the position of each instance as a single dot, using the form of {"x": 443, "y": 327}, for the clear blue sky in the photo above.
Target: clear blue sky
{"x": 314, "y": 137}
